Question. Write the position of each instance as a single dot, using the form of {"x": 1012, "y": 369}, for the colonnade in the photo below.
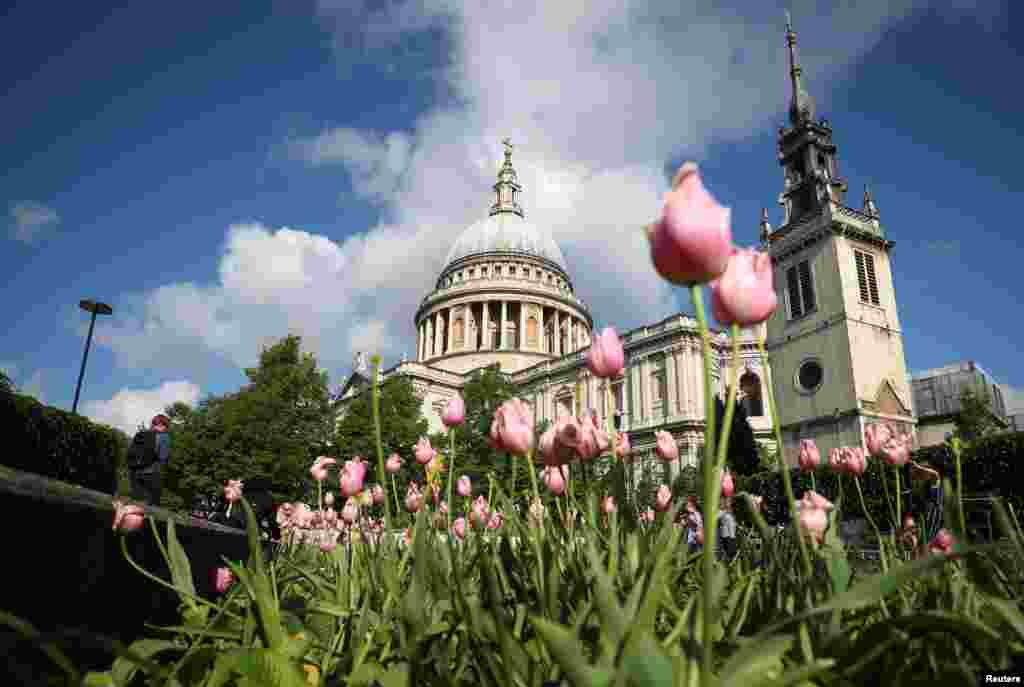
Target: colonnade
{"x": 501, "y": 325}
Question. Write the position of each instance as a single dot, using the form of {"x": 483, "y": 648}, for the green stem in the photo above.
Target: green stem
{"x": 451, "y": 473}
{"x": 146, "y": 573}
{"x": 787, "y": 482}
{"x": 874, "y": 526}
{"x": 723, "y": 446}
{"x": 888, "y": 501}
{"x": 377, "y": 436}
{"x": 394, "y": 492}
{"x": 712, "y": 488}
{"x": 956, "y": 446}
{"x": 899, "y": 505}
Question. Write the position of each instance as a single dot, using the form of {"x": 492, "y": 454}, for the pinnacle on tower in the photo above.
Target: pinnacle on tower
{"x": 766, "y": 228}
{"x": 801, "y": 108}
{"x": 507, "y": 188}
{"x": 869, "y": 204}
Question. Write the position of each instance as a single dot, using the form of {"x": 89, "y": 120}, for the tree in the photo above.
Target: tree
{"x": 271, "y": 429}
{"x": 482, "y": 395}
{"x": 401, "y": 425}
{"x": 975, "y": 419}
{"x": 743, "y": 457}
{"x": 6, "y": 385}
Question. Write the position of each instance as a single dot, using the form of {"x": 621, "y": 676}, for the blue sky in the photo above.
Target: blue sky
{"x": 222, "y": 178}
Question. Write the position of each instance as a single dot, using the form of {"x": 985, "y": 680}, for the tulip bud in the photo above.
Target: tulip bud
{"x": 609, "y": 506}
{"x": 454, "y": 413}
{"x": 464, "y": 487}
{"x": 744, "y": 294}
{"x": 555, "y": 479}
{"x": 512, "y": 428}
{"x": 810, "y": 457}
{"x": 223, "y": 578}
{"x": 606, "y": 358}
{"x": 393, "y": 464}
{"x": 622, "y": 446}
{"x": 424, "y": 451}
{"x": 377, "y": 492}
{"x": 127, "y": 517}
{"x": 728, "y": 487}
{"x": 692, "y": 241}
{"x": 663, "y": 499}
{"x": 459, "y": 528}
{"x": 319, "y": 468}
{"x": 667, "y": 448}
{"x": 329, "y": 499}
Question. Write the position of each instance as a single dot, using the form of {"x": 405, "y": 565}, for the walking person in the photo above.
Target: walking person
{"x": 148, "y": 455}
{"x": 694, "y": 526}
{"x": 933, "y": 500}
{"x": 727, "y": 531}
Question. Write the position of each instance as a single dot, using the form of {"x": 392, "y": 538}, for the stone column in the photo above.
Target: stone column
{"x": 501, "y": 332}
{"x": 486, "y": 336}
{"x": 697, "y": 378}
{"x": 451, "y": 330}
{"x": 540, "y": 329}
{"x": 419, "y": 342}
{"x": 558, "y": 333}
{"x": 635, "y": 401}
{"x": 680, "y": 399}
{"x": 438, "y": 336}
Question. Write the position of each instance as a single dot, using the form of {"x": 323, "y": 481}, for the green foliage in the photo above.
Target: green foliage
{"x": 482, "y": 395}
{"x": 402, "y": 424}
{"x": 975, "y": 419}
{"x": 271, "y": 429}
{"x": 55, "y": 443}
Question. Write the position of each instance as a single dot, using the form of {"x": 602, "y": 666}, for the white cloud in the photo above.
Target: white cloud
{"x": 596, "y": 95}
{"x": 30, "y": 220}
{"x": 130, "y": 408}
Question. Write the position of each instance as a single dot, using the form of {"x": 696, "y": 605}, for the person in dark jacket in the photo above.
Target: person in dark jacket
{"x": 145, "y": 482}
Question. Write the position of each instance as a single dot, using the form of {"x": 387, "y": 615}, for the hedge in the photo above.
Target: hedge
{"x": 55, "y": 443}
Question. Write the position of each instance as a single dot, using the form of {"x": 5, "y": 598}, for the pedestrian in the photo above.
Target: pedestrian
{"x": 148, "y": 455}
{"x": 727, "y": 531}
{"x": 932, "y": 475}
{"x": 694, "y": 526}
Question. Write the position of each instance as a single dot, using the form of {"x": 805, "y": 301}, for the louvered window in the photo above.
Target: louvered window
{"x": 800, "y": 289}
{"x": 866, "y": 278}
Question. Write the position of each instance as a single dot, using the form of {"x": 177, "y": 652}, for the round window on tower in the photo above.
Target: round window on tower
{"x": 809, "y": 376}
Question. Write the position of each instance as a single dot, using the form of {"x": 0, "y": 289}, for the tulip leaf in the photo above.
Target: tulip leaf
{"x": 753, "y": 661}
{"x": 567, "y": 651}
{"x": 1009, "y": 613}
{"x": 645, "y": 664}
{"x": 181, "y": 570}
{"x": 271, "y": 668}
{"x": 137, "y": 655}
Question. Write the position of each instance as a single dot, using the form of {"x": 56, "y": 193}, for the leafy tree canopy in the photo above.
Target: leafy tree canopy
{"x": 271, "y": 429}
{"x": 975, "y": 419}
{"x": 402, "y": 424}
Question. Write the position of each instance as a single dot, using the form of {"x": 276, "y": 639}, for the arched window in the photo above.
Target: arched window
{"x": 458, "y": 333}
{"x": 750, "y": 385}
{"x": 531, "y": 332}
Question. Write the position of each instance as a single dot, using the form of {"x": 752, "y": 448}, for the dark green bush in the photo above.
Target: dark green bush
{"x": 58, "y": 444}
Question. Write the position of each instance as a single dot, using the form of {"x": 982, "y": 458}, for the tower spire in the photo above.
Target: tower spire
{"x": 507, "y": 188}
{"x": 801, "y": 108}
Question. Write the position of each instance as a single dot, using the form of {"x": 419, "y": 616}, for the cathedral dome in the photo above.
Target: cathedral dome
{"x": 506, "y": 232}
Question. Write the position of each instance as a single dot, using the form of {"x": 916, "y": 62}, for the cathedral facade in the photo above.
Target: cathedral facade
{"x": 505, "y": 297}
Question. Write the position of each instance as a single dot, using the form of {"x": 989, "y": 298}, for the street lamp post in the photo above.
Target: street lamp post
{"x": 96, "y": 308}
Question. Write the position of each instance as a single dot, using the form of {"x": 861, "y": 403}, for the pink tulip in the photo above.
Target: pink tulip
{"x": 622, "y": 446}
{"x": 692, "y": 241}
{"x": 512, "y": 428}
{"x": 546, "y": 446}
{"x": 424, "y": 451}
{"x": 496, "y": 521}
{"x": 813, "y": 499}
{"x": 393, "y": 464}
{"x": 609, "y": 506}
{"x": 855, "y": 462}
{"x": 555, "y": 479}
{"x": 350, "y": 513}
{"x": 459, "y": 528}
{"x": 329, "y": 499}
{"x": 896, "y": 451}
{"x": 223, "y": 578}
{"x": 810, "y": 457}
{"x": 875, "y": 437}
{"x": 667, "y": 448}
{"x": 413, "y": 498}
{"x": 353, "y": 473}
{"x": 454, "y": 413}
{"x": 442, "y": 508}
{"x": 568, "y": 431}
{"x": 744, "y": 294}
{"x": 319, "y": 468}
{"x": 329, "y": 541}
{"x": 128, "y": 517}
{"x": 836, "y": 460}
{"x": 814, "y": 521}
{"x": 480, "y": 513}
{"x": 728, "y": 486}
{"x": 464, "y": 487}
{"x": 606, "y": 358}
{"x": 233, "y": 491}
{"x": 435, "y": 495}
{"x": 942, "y": 543}
{"x": 588, "y": 446}
{"x": 663, "y": 499}
{"x": 377, "y": 492}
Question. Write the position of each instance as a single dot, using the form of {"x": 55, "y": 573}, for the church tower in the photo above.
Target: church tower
{"x": 834, "y": 343}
